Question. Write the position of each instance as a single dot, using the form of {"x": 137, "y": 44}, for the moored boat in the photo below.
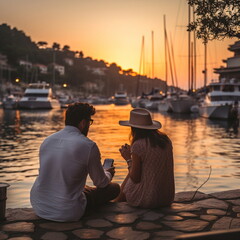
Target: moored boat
{"x": 182, "y": 103}
{"x": 121, "y": 98}
{"x": 38, "y": 96}
{"x": 220, "y": 98}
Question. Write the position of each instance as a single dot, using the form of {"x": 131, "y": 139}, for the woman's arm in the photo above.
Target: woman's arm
{"x": 134, "y": 163}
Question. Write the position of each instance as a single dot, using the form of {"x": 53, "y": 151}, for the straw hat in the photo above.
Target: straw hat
{"x": 141, "y": 118}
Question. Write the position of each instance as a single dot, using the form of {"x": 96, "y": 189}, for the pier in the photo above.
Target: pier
{"x": 190, "y": 213}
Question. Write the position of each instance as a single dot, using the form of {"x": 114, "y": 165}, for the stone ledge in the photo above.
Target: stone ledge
{"x": 206, "y": 212}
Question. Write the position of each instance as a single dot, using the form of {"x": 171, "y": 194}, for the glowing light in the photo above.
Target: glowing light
{"x": 17, "y": 80}
{"x": 65, "y": 85}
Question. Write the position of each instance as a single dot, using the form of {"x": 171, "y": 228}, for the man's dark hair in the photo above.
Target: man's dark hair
{"x": 76, "y": 112}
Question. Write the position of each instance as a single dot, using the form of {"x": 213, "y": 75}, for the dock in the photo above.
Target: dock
{"x": 191, "y": 213}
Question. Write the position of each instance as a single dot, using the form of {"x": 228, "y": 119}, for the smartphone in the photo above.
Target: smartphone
{"x": 108, "y": 163}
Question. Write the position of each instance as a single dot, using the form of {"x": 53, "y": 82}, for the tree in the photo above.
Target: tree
{"x": 56, "y": 46}
{"x": 215, "y": 19}
{"x": 42, "y": 44}
{"x": 66, "y": 48}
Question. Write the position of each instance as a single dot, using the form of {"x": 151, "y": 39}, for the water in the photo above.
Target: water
{"x": 198, "y": 145}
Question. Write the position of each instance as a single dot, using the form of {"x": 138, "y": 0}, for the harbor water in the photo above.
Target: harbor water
{"x": 202, "y": 148}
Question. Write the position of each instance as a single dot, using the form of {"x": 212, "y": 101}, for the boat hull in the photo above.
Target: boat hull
{"x": 182, "y": 105}
{"x": 38, "y": 104}
{"x": 215, "y": 112}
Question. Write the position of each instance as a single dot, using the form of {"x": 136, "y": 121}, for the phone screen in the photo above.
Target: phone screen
{"x": 108, "y": 163}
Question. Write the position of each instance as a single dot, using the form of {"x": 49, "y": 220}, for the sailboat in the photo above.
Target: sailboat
{"x": 182, "y": 102}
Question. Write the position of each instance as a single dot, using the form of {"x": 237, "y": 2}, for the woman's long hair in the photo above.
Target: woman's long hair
{"x": 154, "y": 137}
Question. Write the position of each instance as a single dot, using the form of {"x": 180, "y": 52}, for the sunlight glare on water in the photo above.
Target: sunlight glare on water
{"x": 198, "y": 144}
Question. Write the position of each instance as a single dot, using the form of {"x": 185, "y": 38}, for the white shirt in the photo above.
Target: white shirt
{"x": 66, "y": 158}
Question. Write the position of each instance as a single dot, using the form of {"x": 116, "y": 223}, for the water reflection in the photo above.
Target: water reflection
{"x": 198, "y": 144}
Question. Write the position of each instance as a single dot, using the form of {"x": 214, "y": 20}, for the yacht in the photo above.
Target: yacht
{"x": 121, "y": 98}
{"x": 38, "y": 96}
{"x": 220, "y": 98}
{"x": 10, "y": 102}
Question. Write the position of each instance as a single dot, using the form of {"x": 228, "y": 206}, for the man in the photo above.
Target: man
{"x": 66, "y": 158}
{"x": 233, "y": 118}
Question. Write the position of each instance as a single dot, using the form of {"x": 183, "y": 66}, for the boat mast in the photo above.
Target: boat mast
{"x": 165, "y": 50}
{"x": 205, "y": 63}
{"x": 152, "y": 54}
{"x": 189, "y": 48}
{"x": 140, "y": 66}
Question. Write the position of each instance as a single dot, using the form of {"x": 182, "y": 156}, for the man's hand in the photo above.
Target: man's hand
{"x": 111, "y": 170}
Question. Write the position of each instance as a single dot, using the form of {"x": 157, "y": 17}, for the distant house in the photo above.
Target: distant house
{"x": 42, "y": 68}
{"x": 69, "y": 61}
{"x": 96, "y": 71}
{"x": 25, "y": 63}
{"x": 3, "y": 60}
{"x": 58, "y": 68}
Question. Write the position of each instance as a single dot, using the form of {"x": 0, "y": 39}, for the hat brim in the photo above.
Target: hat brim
{"x": 155, "y": 125}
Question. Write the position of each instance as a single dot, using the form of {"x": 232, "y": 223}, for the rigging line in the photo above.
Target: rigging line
{"x": 174, "y": 65}
{"x": 165, "y": 52}
{"x": 170, "y": 60}
{"x": 176, "y": 25}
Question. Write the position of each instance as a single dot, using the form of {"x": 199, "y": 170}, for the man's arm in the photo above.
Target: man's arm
{"x": 100, "y": 177}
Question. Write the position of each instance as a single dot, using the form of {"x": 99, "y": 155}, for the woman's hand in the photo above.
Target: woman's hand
{"x": 125, "y": 151}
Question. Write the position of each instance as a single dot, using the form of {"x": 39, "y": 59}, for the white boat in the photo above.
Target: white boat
{"x": 182, "y": 103}
{"x": 153, "y": 101}
{"x": 10, "y": 102}
{"x": 220, "y": 98}
{"x": 38, "y": 96}
{"x": 121, "y": 98}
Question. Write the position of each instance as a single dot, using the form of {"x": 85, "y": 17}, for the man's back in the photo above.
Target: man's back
{"x": 64, "y": 160}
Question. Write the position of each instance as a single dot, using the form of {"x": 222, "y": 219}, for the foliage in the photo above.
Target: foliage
{"x": 15, "y": 45}
{"x": 216, "y": 19}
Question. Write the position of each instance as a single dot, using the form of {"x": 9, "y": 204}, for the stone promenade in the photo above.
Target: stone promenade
{"x": 190, "y": 213}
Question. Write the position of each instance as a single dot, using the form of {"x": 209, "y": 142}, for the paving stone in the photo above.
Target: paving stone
{"x": 216, "y": 212}
{"x": 231, "y": 194}
{"x": 208, "y": 217}
{"x": 23, "y": 214}
{"x": 211, "y": 203}
{"x": 18, "y": 227}
{"x": 98, "y": 223}
{"x": 187, "y": 196}
{"x": 187, "y": 214}
{"x": 190, "y": 225}
{"x": 88, "y": 233}
{"x": 148, "y": 226}
{"x": 122, "y": 218}
{"x": 180, "y": 207}
{"x": 222, "y": 223}
{"x": 172, "y": 218}
{"x": 236, "y": 209}
{"x": 54, "y": 236}
{"x": 152, "y": 216}
{"x": 235, "y": 223}
{"x": 234, "y": 202}
{"x": 3, "y": 236}
{"x": 127, "y": 233}
{"x": 20, "y": 238}
{"x": 54, "y": 226}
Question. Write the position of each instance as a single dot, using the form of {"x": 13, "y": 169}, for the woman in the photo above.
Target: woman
{"x": 150, "y": 181}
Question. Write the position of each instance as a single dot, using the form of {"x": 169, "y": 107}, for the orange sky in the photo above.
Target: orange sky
{"x": 112, "y": 30}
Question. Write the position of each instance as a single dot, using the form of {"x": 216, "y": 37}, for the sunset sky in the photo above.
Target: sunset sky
{"x": 112, "y": 30}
